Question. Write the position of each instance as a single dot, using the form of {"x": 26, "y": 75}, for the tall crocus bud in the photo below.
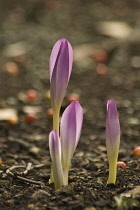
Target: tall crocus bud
{"x": 55, "y": 152}
{"x": 61, "y": 60}
{"x": 112, "y": 139}
{"x": 70, "y": 130}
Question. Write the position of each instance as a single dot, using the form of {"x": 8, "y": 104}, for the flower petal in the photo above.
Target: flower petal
{"x": 70, "y": 130}
{"x": 112, "y": 125}
{"x": 61, "y": 60}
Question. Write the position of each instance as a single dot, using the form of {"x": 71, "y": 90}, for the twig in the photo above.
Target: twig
{"x": 28, "y": 168}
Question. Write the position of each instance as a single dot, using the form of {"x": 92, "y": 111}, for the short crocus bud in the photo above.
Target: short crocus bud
{"x": 112, "y": 139}
{"x": 55, "y": 152}
{"x": 70, "y": 131}
{"x": 61, "y": 60}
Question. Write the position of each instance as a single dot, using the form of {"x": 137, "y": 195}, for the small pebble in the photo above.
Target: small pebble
{"x": 136, "y": 151}
{"x": 101, "y": 69}
{"x": 100, "y": 56}
{"x": 50, "y": 113}
{"x": 0, "y": 161}
{"x": 31, "y": 95}
{"x": 134, "y": 121}
{"x": 13, "y": 120}
{"x": 34, "y": 150}
{"x": 73, "y": 97}
{"x": 11, "y": 68}
{"x": 29, "y": 118}
{"x": 121, "y": 164}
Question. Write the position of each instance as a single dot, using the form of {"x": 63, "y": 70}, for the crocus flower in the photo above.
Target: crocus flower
{"x": 70, "y": 130}
{"x": 112, "y": 139}
{"x": 61, "y": 60}
{"x": 55, "y": 152}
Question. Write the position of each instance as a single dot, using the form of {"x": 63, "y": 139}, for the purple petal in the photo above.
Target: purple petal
{"x": 55, "y": 152}
{"x": 112, "y": 125}
{"x": 61, "y": 60}
{"x": 70, "y": 130}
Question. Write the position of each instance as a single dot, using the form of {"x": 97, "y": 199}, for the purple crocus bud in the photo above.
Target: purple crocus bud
{"x": 70, "y": 131}
{"x": 55, "y": 152}
{"x": 112, "y": 139}
{"x": 61, "y": 60}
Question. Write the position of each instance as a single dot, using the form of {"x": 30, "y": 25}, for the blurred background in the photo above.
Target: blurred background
{"x": 102, "y": 31}
{"x": 105, "y": 36}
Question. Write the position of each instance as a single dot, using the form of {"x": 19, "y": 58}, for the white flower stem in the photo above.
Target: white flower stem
{"x": 56, "y": 113}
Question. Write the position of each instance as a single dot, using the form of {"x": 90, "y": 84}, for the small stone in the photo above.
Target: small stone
{"x": 31, "y": 206}
{"x": 31, "y": 95}
{"x": 22, "y": 97}
{"x": 0, "y": 161}
{"x": 16, "y": 49}
{"x": 73, "y": 97}
{"x": 11, "y": 101}
{"x": 34, "y": 150}
{"x": 100, "y": 56}
{"x": 8, "y": 114}
{"x": 29, "y": 118}
{"x": 136, "y": 151}
{"x": 121, "y": 164}
{"x": 31, "y": 109}
{"x": 101, "y": 69}
{"x": 11, "y": 68}
{"x": 50, "y": 113}
{"x": 13, "y": 120}
{"x": 39, "y": 194}
{"x": 134, "y": 121}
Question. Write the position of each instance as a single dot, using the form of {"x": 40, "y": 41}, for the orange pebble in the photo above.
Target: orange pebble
{"x": 101, "y": 69}
{"x": 29, "y": 118}
{"x": 100, "y": 56}
{"x": 13, "y": 121}
{"x": 50, "y": 113}
{"x": 0, "y": 161}
{"x": 11, "y": 68}
{"x": 121, "y": 164}
{"x": 31, "y": 95}
{"x": 136, "y": 151}
{"x": 73, "y": 97}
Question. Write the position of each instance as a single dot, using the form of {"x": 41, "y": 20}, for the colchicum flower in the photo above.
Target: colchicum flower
{"x": 70, "y": 131}
{"x": 112, "y": 139}
{"x": 62, "y": 149}
{"x": 55, "y": 152}
{"x": 61, "y": 61}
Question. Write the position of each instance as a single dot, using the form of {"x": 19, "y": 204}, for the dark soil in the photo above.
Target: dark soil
{"x": 40, "y": 24}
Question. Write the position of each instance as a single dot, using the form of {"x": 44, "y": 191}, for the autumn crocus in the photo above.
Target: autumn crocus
{"x": 61, "y": 60}
{"x": 55, "y": 152}
{"x": 70, "y": 130}
{"x": 112, "y": 139}
{"x": 62, "y": 149}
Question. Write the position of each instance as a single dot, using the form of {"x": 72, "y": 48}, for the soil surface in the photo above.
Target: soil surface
{"x": 105, "y": 39}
